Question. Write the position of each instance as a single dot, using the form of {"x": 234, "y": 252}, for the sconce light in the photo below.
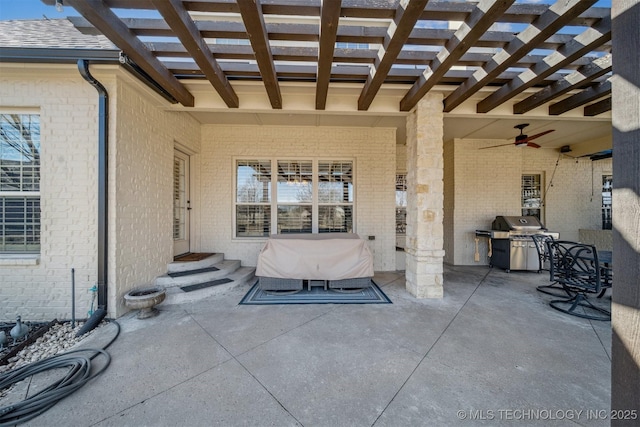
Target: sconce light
{"x": 59, "y": 5}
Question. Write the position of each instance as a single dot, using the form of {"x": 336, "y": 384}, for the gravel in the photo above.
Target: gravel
{"x": 59, "y": 338}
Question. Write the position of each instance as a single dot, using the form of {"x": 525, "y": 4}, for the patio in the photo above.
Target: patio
{"x": 491, "y": 351}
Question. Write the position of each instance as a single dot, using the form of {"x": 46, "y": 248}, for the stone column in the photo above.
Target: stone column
{"x": 425, "y": 199}
{"x": 625, "y": 318}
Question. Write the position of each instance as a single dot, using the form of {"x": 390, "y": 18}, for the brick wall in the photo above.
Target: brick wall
{"x": 142, "y": 138}
{"x": 372, "y": 149}
{"x": 141, "y": 241}
{"x": 67, "y": 108}
{"x": 487, "y": 183}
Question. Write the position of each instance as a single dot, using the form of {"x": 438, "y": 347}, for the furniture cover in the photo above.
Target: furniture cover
{"x": 334, "y": 256}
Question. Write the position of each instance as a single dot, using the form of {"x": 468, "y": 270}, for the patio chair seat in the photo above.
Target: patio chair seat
{"x": 576, "y": 268}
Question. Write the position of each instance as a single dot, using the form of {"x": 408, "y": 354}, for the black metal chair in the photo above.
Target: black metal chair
{"x": 577, "y": 269}
{"x": 546, "y": 263}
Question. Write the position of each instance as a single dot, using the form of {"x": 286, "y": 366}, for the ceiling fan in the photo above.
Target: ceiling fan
{"x": 523, "y": 140}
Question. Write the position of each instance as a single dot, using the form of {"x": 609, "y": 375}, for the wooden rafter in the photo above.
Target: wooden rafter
{"x": 178, "y": 18}
{"x": 580, "y": 45}
{"x": 407, "y": 14}
{"x": 437, "y": 10}
{"x": 598, "y": 107}
{"x": 111, "y": 26}
{"x": 343, "y": 55}
{"x": 479, "y": 21}
{"x": 330, "y": 15}
{"x": 584, "y": 74}
{"x": 582, "y": 98}
{"x": 554, "y": 18}
{"x": 309, "y": 32}
{"x": 251, "y": 13}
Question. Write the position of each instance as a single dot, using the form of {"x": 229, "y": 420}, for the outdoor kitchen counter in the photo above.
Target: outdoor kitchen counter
{"x": 315, "y": 257}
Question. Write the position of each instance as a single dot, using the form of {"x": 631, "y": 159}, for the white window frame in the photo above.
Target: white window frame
{"x": 401, "y": 209}
{"x": 541, "y": 197}
{"x": 273, "y": 203}
{"x": 607, "y": 205}
{"x": 34, "y": 195}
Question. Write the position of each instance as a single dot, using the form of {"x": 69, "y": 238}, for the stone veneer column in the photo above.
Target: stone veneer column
{"x": 425, "y": 199}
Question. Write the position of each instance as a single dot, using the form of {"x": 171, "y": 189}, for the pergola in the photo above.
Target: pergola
{"x": 556, "y": 49}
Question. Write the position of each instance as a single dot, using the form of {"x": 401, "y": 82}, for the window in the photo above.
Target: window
{"x": 295, "y": 196}
{"x": 300, "y": 196}
{"x": 607, "y": 188}
{"x": 531, "y": 200}
{"x": 253, "y": 198}
{"x": 335, "y": 196}
{"x": 19, "y": 183}
{"x": 401, "y": 203}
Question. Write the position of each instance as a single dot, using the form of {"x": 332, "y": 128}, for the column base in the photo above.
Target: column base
{"x": 424, "y": 278}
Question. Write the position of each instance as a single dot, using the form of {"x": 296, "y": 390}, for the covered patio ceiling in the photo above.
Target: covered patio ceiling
{"x": 497, "y": 63}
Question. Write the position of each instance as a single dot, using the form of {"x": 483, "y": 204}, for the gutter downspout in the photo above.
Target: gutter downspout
{"x": 103, "y": 121}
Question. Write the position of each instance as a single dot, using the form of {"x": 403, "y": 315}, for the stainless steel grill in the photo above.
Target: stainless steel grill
{"x": 511, "y": 245}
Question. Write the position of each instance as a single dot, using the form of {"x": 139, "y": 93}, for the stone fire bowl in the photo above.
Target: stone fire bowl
{"x": 144, "y": 299}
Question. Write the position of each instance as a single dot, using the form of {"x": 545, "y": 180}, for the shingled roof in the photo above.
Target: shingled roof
{"x": 49, "y": 33}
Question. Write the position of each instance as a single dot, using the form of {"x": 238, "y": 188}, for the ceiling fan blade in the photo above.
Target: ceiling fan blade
{"x": 532, "y": 144}
{"x": 494, "y": 146}
{"x": 538, "y": 135}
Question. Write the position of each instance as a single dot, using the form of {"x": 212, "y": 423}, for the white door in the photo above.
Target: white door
{"x": 181, "y": 203}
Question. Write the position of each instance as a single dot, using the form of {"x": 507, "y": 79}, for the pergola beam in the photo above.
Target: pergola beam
{"x": 580, "y": 45}
{"x": 185, "y": 29}
{"x": 308, "y": 32}
{"x": 437, "y": 11}
{"x": 251, "y": 13}
{"x": 407, "y": 14}
{"x": 478, "y": 21}
{"x": 329, "y": 18}
{"x": 343, "y": 55}
{"x": 554, "y": 18}
{"x": 579, "y": 99}
{"x": 117, "y": 31}
{"x": 598, "y": 107}
{"x": 584, "y": 74}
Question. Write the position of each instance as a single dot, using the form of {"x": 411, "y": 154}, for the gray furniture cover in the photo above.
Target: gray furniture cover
{"x": 334, "y": 256}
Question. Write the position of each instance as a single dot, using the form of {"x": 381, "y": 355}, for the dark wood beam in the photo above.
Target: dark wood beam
{"x": 579, "y": 46}
{"x": 440, "y": 11}
{"x": 309, "y": 32}
{"x": 329, "y": 17}
{"x": 479, "y": 21}
{"x": 584, "y": 74}
{"x": 253, "y": 19}
{"x": 407, "y": 14}
{"x": 598, "y": 107}
{"x": 596, "y": 91}
{"x": 554, "y": 18}
{"x": 112, "y": 27}
{"x": 185, "y": 29}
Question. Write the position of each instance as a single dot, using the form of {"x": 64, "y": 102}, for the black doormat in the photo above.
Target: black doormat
{"x": 317, "y": 295}
{"x": 191, "y": 288}
{"x": 190, "y": 272}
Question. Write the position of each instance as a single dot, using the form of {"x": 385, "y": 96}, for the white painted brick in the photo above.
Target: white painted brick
{"x": 477, "y": 189}
{"x": 375, "y": 179}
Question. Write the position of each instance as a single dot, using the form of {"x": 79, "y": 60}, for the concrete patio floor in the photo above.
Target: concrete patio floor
{"x": 491, "y": 352}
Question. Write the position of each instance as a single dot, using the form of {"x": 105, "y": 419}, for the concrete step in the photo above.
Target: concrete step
{"x": 239, "y": 277}
{"x": 225, "y": 268}
{"x": 177, "y": 266}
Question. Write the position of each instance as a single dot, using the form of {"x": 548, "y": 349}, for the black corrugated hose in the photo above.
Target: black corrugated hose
{"x": 79, "y": 373}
